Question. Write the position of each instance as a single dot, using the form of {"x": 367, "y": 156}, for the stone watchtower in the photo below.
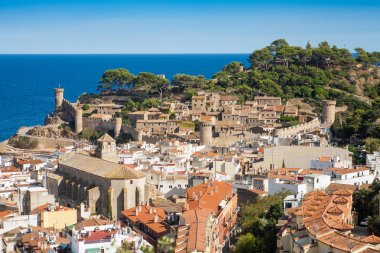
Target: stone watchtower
{"x": 205, "y": 132}
{"x": 106, "y": 149}
{"x": 328, "y": 116}
{"x": 78, "y": 120}
{"x": 117, "y": 126}
{"x": 58, "y": 98}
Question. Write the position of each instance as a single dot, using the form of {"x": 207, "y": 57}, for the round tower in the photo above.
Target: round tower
{"x": 139, "y": 135}
{"x": 58, "y": 98}
{"x": 78, "y": 120}
{"x": 328, "y": 112}
{"x": 117, "y": 126}
{"x": 205, "y": 133}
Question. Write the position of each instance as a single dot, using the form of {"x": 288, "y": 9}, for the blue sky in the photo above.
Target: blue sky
{"x": 168, "y": 26}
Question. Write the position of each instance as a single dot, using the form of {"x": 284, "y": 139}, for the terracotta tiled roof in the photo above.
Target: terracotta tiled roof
{"x": 335, "y": 186}
{"x": 372, "y": 239}
{"x": 229, "y": 98}
{"x": 22, "y": 162}
{"x": 324, "y": 159}
{"x": 335, "y": 210}
{"x": 5, "y": 213}
{"x": 208, "y": 195}
{"x": 343, "y": 192}
{"x": 9, "y": 169}
{"x": 147, "y": 215}
{"x": 93, "y": 222}
{"x": 191, "y": 237}
{"x": 341, "y": 200}
{"x": 258, "y": 192}
{"x": 45, "y": 207}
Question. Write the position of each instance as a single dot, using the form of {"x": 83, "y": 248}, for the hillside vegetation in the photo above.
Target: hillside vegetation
{"x": 313, "y": 73}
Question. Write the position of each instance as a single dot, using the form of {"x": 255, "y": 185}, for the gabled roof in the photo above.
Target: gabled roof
{"x": 194, "y": 231}
{"x": 106, "y": 138}
{"x": 208, "y": 195}
{"x": 93, "y": 222}
{"x": 372, "y": 239}
{"x": 99, "y": 167}
{"x": 343, "y": 192}
{"x": 334, "y": 210}
{"x": 335, "y": 186}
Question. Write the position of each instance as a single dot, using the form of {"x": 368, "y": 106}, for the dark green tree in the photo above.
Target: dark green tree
{"x": 151, "y": 83}
{"x": 115, "y": 77}
{"x": 261, "y": 59}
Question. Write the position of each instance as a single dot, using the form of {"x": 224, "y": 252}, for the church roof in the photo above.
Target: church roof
{"x": 99, "y": 167}
{"x": 106, "y": 138}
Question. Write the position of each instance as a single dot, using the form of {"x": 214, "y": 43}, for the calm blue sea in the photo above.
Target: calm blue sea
{"x": 27, "y": 81}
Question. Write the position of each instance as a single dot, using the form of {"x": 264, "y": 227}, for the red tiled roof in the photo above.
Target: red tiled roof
{"x": 372, "y": 239}
{"x": 146, "y": 215}
{"x": 208, "y": 195}
{"x": 5, "y": 213}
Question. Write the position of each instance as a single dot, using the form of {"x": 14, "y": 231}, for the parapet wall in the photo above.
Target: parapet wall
{"x": 98, "y": 124}
{"x": 68, "y": 111}
{"x": 297, "y": 129}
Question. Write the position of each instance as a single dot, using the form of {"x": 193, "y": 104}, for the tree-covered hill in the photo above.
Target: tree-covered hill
{"x": 311, "y": 73}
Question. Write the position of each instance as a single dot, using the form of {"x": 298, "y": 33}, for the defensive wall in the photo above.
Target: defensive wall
{"x": 298, "y": 129}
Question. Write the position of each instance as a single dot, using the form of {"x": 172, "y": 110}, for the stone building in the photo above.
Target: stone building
{"x": 106, "y": 187}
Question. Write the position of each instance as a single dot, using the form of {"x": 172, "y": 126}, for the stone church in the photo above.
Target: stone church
{"x": 105, "y": 186}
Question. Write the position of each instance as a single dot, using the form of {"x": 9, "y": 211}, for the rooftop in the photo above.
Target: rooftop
{"x": 99, "y": 167}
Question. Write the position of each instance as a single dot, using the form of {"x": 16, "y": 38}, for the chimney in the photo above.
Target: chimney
{"x": 137, "y": 211}
{"x": 200, "y": 193}
{"x": 211, "y": 192}
{"x": 156, "y": 218}
{"x": 150, "y": 210}
{"x": 139, "y": 208}
{"x": 196, "y": 197}
{"x": 216, "y": 188}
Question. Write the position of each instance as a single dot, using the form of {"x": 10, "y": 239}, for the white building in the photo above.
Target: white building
{"x": 325, "y": 162}
{"x": 316, "y": 181}
{"x": 276, "y": 185}
{"x": 373, "y": 162}
{"x": 357, "y": 176}
{"x": 11, "y": 222}
{"x": 97, "y": 239}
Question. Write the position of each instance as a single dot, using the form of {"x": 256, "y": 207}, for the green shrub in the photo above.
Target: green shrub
{"x": 86, "y": 107}
{"x": 23, "y": 142}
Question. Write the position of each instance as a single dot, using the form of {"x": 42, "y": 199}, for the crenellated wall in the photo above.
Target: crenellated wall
{"x": 68, "y": 111}
{"x": 297, "y": 129}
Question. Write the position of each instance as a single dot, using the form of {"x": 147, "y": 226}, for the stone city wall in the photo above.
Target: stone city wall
{"x": 297, "y": 129}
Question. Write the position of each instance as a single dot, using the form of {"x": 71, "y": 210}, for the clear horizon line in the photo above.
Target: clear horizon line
{"x": 119, "y": 53}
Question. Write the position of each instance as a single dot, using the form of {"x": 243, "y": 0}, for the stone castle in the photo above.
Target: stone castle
{"x": 222, "y": 119}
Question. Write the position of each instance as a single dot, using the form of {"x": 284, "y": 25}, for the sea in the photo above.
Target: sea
{"x": 27, "y": 81}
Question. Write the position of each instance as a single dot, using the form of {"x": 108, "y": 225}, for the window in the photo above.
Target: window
{"x": 151, "y": 177}
{"x": 161, "y": 186}
{"x": 131, "y": 181}
{"x": 170, "y": 186}
{"x": 179, "y": 186}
